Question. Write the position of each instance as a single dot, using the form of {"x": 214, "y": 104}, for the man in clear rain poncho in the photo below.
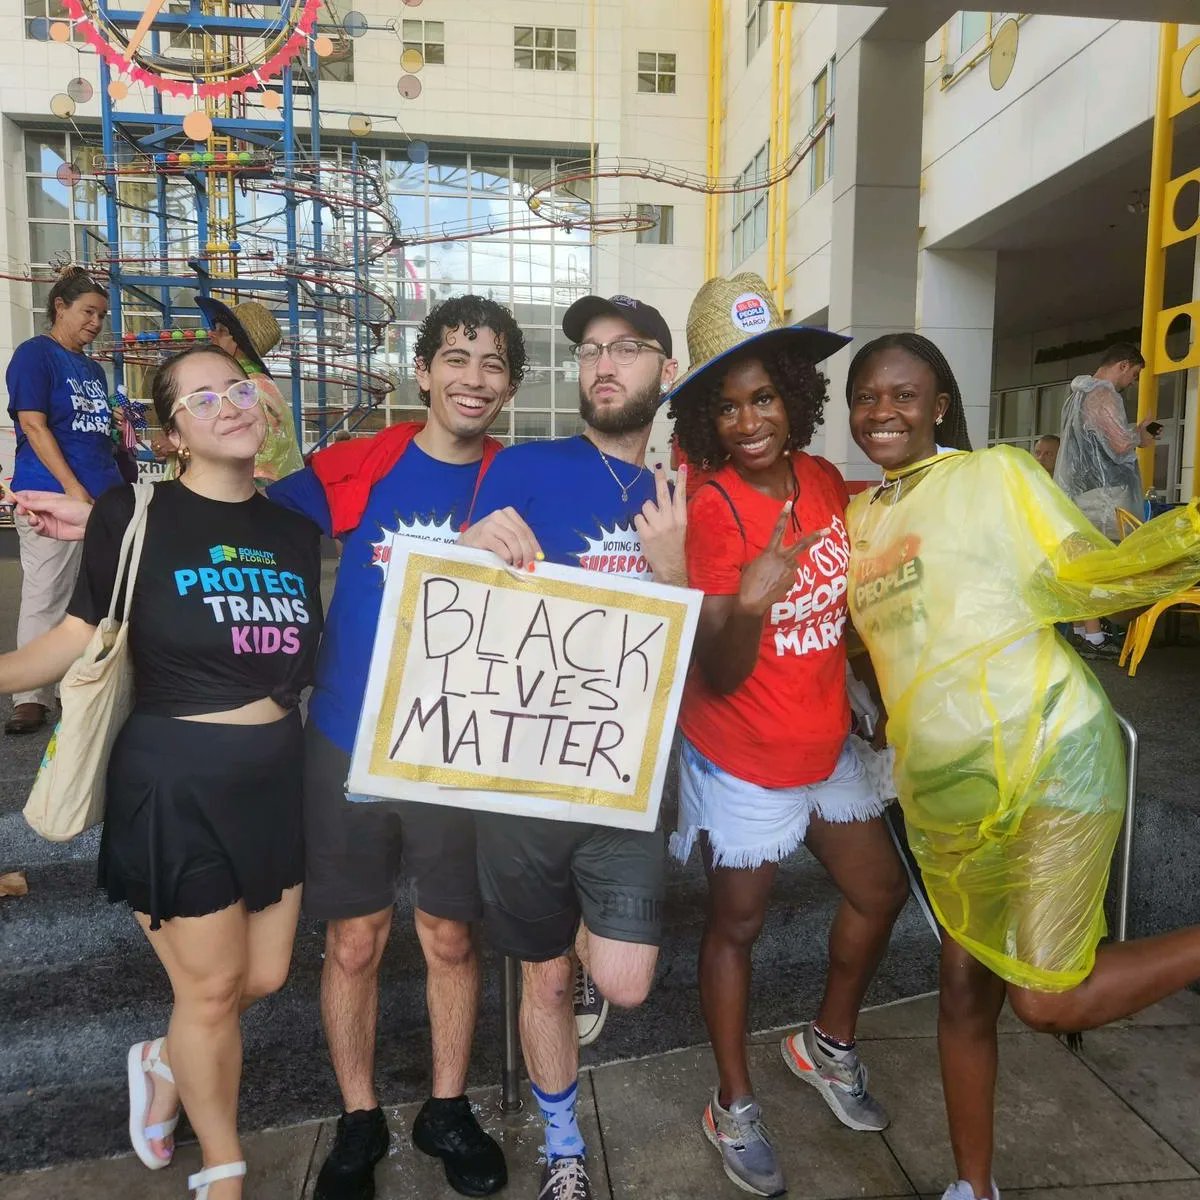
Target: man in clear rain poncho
{"x": 1097, "y": 460}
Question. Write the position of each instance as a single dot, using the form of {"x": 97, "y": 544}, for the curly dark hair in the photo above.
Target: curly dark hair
{"x": 799, "y": 384}
{"x": 953, "y": 432}
{"x": 469, "y": 313}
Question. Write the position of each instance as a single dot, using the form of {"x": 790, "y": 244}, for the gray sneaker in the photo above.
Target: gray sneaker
{"x": 565, "y": 1179}
{"x": 746, "y": 1150}
{"x": 843, "y": 1084}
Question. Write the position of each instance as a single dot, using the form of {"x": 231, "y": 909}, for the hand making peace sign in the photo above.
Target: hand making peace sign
{"x": 662, "y": 526}
{"x": 768, "y": 578}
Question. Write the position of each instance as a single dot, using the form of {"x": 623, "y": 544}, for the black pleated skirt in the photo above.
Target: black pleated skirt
{"x": 202, "y": 815}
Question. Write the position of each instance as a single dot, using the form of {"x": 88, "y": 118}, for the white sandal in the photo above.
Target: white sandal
{"x": 141, "y": 1096}
{"x": 200, "y": 1181}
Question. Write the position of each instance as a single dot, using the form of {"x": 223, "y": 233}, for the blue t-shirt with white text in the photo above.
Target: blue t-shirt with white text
{"x": 72, "y": 391}
{"x": 569, "y": 498}
{"x": 419, "y": 497}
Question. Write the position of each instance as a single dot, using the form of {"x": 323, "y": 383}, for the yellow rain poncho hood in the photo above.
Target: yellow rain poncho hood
{"x": 1009, "y": 765}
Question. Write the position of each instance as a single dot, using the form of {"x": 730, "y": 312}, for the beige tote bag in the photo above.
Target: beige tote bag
{"x": 97, "y": 697}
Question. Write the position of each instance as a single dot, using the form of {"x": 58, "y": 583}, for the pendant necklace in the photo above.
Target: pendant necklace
{"x": 616, "y": 479}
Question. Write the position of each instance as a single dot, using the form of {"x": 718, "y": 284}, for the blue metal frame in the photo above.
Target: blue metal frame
{"x": 149, "y": 133}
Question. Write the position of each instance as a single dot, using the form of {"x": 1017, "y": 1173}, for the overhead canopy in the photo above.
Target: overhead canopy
{"x": 919, "y": 19}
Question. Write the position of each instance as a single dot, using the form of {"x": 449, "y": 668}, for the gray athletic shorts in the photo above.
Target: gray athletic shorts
{"x": 538, "y": 878}
{"x": 357, "y": 856}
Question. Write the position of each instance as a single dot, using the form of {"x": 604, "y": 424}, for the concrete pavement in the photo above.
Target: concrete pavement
{"x": 1116, "y": 1122}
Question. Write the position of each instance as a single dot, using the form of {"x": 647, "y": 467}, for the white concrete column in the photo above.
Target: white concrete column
{"x": 956, "y": 303}
{"x": 876, "y": 207}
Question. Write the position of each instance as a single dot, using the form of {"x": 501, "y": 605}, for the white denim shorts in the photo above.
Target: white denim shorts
{"x": 748, "y": 825}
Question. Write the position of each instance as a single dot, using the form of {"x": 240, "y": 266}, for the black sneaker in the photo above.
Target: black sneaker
{"x": 565, "y": 1179}
{"x": 1108, "y": 650}
{"x": 591, "y": 1008}
{"x": 349, "y": 1171}
{"x": 473, "y": 1162}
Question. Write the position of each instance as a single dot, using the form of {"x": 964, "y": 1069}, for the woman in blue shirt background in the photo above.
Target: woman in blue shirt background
{"x": 58, "y": 401}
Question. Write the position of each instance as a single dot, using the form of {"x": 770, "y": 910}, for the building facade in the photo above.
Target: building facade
{"x": 997, "y": 206}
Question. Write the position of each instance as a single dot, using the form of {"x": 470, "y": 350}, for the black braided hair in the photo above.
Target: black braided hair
{"x": 953, "y": 430}
{"x": 801, "y": 387}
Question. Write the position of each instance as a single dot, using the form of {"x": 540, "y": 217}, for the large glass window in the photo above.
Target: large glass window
{"x": 656, "y": 72}
{"x": 38, "y": 17}
{"x": 337, "y": 67}
{"x": 536, "y": 272}
{"x": 972, "y": 27}
{"x": 428, "y": 38}
{"x": 821, "y": 155}
{"x": 750, "y": 209}
{"x": 663, "y": 231}
{"x": 758, "y": 20}
{"x": 540, "y": 48}
{"x": 63, "y": 216}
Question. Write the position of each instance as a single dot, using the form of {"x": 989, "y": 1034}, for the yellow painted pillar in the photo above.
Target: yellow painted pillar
{"x": 716, "y": 80}
{"x": 1152, "y": 295}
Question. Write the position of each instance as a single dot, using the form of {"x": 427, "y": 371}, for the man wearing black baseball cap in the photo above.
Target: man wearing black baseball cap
{"x": 645, "y": 320}
{"x": 589, "y": 502}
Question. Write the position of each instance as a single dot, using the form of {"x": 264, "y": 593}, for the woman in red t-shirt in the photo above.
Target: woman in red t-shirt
{"x": 765, "y": 764}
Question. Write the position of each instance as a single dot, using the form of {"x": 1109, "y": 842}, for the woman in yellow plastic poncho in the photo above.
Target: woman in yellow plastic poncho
{"x": 1009, "y": 765}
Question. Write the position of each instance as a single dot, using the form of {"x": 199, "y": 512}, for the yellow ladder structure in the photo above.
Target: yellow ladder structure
{"x": 1164, "y": 231}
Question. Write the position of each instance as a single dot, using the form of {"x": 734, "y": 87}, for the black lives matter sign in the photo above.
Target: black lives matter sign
{"x": 552, "y": 694}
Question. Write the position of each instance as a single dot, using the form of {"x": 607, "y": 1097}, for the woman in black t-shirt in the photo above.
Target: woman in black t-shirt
{"x": 202, "y": 835}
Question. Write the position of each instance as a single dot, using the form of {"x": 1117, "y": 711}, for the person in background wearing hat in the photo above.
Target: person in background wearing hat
{"x": 765, "y": 765}
{"x": 248, "y": 332}
{"x": 58, "y": 401}
{"x": 552, "y": 885}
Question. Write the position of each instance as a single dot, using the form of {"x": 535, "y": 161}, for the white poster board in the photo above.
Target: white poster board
{"x": 546, "y": 694}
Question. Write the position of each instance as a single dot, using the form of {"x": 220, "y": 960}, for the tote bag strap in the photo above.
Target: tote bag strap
{"x": 130, "y": 555}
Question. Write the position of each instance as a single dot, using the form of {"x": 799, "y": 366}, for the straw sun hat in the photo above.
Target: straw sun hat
{"x": 250, "y": 324}
{"x": 733, "y": 314}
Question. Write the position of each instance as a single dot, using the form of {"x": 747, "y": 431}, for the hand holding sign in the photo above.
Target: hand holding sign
{"x": 505, "y": 533}
{"x": 768, "y": 578}
{"x": 662, "y": 526}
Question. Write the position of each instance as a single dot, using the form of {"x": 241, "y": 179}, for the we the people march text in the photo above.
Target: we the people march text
{"x": 543, "y": 693}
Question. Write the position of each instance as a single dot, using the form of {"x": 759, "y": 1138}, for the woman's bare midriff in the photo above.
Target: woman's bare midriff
{"x": 257, "y": 712}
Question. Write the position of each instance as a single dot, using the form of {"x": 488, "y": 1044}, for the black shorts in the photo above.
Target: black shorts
{"x": 359, "y": 854}
{"x": 539, "y": 877}
{"x": 201, "y": 815}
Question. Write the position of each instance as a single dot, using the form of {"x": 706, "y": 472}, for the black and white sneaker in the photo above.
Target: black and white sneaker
{"x": 565, "y": 1179}
{"x": 591, "y": 1008}
{"x": 349, "y": 1171}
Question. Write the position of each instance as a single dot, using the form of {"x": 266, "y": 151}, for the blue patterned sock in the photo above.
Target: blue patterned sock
{"x": 563, "y": 1138}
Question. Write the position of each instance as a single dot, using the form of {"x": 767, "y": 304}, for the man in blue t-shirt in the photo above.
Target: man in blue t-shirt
{"x": 589, "y": 502}
{"x": 470, "y": 359}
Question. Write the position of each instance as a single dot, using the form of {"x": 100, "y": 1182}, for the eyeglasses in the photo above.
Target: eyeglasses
{"x": 206, "y": 406}
{"x": 623, "y": 351}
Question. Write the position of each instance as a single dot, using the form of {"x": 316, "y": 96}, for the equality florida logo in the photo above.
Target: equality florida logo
{"x": 220, "y": 555}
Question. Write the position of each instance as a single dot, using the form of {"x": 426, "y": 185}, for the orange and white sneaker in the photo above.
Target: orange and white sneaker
{"x": 841, "y": 1081}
